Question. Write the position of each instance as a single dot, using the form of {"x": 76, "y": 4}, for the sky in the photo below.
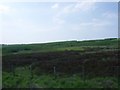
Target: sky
{"x": 41, "y": 22}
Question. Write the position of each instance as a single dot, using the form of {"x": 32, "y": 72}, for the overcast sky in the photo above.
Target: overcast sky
{"x": 50, "y": 21}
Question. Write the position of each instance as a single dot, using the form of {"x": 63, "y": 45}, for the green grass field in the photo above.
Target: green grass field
{"x": 22, "y": 79}
{"x": 98, "y": 54}
{"x": 60, "y": 46}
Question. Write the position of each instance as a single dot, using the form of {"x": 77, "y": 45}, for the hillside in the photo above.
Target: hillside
{"x": 68, "y": 64}
{"x": 61, "y": 46}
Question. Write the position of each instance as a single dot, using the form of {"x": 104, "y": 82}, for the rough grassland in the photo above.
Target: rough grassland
{"x": 68, "y": 64}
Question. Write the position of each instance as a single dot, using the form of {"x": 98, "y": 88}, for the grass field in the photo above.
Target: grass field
{"x": 68, "y": 64}
{"x": 23, "y": 79}
{"x": 58, "y": 46}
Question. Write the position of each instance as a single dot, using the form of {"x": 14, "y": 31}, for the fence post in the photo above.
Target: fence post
{"x": 31, "y": 71}
{"x": 83, "y": 71}
{"x": 54, "y": 71}
{"x": 31, "y": 77}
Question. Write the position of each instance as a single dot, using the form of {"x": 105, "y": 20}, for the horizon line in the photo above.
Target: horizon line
{"x": 56, "y": 41}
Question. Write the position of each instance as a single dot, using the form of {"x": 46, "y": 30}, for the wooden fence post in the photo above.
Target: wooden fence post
{"x": 83, "y": 71}
{"x": 54, "y": 71}
{"x": 31, "y": 77}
